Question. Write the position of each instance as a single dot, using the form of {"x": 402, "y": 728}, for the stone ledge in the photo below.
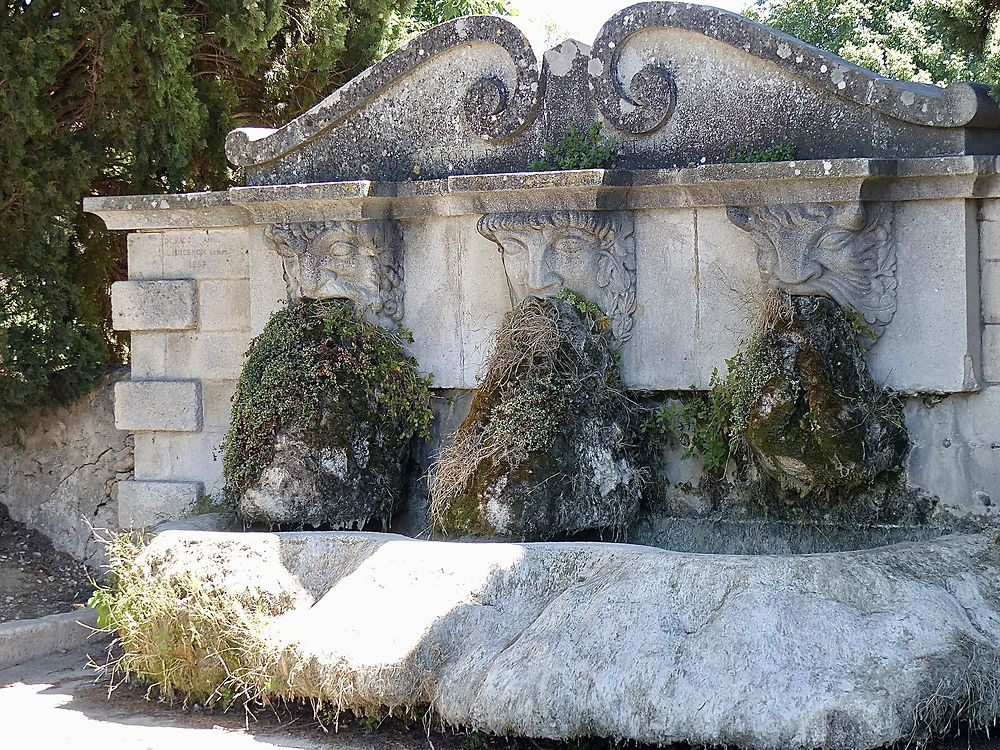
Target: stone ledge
{"x": 24, "y": 640}
{"x": 144, "y": 305}
{"x": 158, "y": 406}
{"x": 810, "y": 180}
{"x": 197, "y": 210}
{"x": 144, "y": 504}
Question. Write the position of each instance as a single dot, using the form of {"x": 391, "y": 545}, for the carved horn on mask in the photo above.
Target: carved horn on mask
{"x": 741, "y": 217}
{"x": 853, "y": 217}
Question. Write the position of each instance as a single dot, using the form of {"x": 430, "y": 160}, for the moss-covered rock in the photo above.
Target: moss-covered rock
{"x": 323, "y": 416}
{"x": 546, "y": 448}
{"x": 818, "y": 421}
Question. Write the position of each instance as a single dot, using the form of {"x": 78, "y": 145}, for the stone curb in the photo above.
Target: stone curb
{"x": 24, "y": 640}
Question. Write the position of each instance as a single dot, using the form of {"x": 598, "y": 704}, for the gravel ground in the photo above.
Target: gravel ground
{"x": 35, "y": 579}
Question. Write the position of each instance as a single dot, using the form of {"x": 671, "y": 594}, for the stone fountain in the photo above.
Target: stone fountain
{"x": 408, "y": 192}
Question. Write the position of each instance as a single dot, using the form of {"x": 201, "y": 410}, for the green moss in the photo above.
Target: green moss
{"x": 322, "y": 372}
{"x": 745, "y": 155}
{"x": 712, "y": 425}
{"x": 798, "y": 401}
{"x": 522, "y": 452}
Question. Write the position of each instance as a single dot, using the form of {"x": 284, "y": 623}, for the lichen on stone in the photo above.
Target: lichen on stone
{"x": 323, "y": 416}
{"x": 547, "y": 446}
{"x": 820, "y": 422}
{"x": 798, "y": 403}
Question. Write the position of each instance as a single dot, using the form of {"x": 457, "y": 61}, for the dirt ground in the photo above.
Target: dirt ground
{"x": 35, "y": 579}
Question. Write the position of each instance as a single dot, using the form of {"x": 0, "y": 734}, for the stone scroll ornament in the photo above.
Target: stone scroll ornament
{"x": 841, "y": 252}
{"x": 355, "y": 260}
{"x": 494, "y": 110}
{"x": 589, "y": 252}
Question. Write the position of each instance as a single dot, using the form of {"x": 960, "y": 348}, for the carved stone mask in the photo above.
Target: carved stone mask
{"x": 844, "y": 253}
{"x": 355, "y": 260}
{"x": 590, "y": 252}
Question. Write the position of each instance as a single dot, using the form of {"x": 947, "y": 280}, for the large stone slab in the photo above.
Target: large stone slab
{"x": 844, "y": 650}
{"x": 677, "y": 83}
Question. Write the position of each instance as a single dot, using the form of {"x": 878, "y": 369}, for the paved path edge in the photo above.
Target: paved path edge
{"x": 24, "y": 640}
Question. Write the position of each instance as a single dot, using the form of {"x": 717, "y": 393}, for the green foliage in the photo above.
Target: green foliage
{"x": 114, "y": 97}
{"x": 427, "y": 13}
{"x": 778, "y": 152}
{"x": 712, "y": 424}
{"x": 132, "y": 96}
{"x": 321, "y": 367}
{"x": 931, "y": 41}
{"x": 578, "y": 149}
{"x": 584, "y": 306}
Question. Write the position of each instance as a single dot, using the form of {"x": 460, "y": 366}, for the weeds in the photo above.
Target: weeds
{"x": 578, "y": 149}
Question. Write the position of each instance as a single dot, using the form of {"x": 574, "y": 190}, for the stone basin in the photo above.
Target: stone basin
{"x": 560, "y": 640}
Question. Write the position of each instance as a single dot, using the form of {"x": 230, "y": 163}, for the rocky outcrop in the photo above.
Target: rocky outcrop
{"x": 842, "y": 650}
{"x": 59, "y": 470}
{"x": 547, "y": 446}
{"x": 323, "y": 417}
{"x": 819, "y": 422}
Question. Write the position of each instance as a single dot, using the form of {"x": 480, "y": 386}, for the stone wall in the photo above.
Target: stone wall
{"x": 196, "y": 297}
{"x": 61, "y": 471}
{"x": 379, "y": 194}
{"x": 187, "y": 304}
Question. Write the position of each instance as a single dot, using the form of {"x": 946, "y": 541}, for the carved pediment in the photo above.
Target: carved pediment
{"x": 589, "y": 252}
{"x": 842, "y": 252}
{"x": 676, "y": 83}
{"x": 355, "y": 260}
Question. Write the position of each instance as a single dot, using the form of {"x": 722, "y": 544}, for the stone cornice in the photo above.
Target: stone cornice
{"x": 776, "y": 183}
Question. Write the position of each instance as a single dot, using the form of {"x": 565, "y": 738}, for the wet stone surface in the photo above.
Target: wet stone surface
{"x": 35, "y": 579}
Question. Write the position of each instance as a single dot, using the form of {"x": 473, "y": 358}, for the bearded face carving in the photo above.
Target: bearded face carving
{"x": 844, "y": 253}
{"x": 589, "y": 252}
{"x": 354, "y": 260}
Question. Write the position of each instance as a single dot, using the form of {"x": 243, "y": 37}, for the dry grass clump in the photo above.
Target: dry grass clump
{"x": 180, "y": 636}
{"x": 968, "y": 701}
{"x": 533, "y": 377}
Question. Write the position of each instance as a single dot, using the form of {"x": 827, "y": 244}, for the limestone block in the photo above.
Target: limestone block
{"x": 145, "y": 255}
{"x": 206, "y": 253}
{"x": 485, "y": 296}
{"x": 224, "y": 305}
{"x": 158, "y": 405}
{"x": 989, "y": 210}
{"x": 561, "y": 640}
{"x": 142, "y": 504}
{"x": 933, "y": 341}
{"x": 989, "y": 232}
{"x": 149, "y": 354}
{"x": 268, "y": 293}
{"x": 209, "y": 355}
{"x": 153, "y": 305}
{"x": 666, "y": 302}
{"x": 955, "y": 450}
{"x": 217, "y": 403}
{"x": 432, "y": 301}
{"x": 991, "y": 354}
{"x": 990, "y": 291}
{"x": 181, "y": 456}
